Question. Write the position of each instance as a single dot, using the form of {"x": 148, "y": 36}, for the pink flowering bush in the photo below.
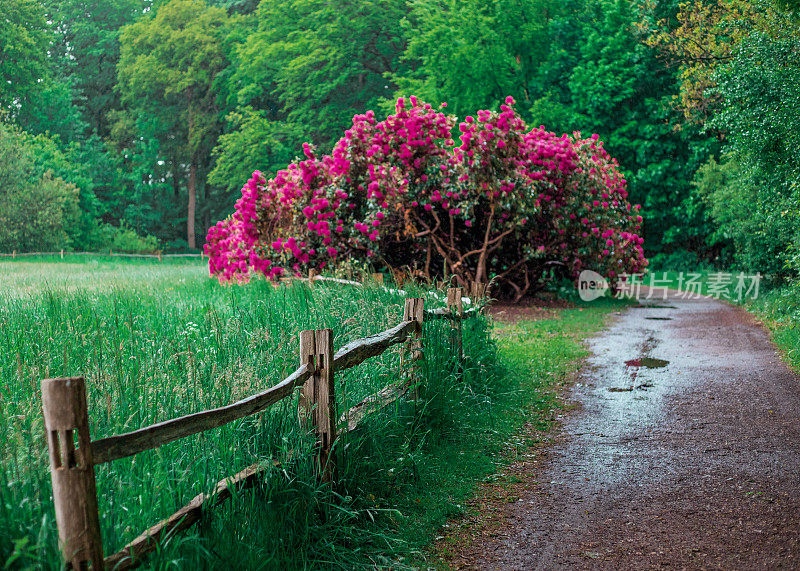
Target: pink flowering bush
{"x": 601, "y": 227}
{"x": 507, "y": 203}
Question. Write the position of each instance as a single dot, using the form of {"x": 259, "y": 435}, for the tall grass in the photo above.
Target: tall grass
{"x": 779, "y": 309}
{"x": 156, "y": 341}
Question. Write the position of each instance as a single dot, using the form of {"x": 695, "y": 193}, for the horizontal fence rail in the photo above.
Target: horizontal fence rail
{"x": 65, "y": 414}
{"x": 116, "y": 447}
{"x": 149, "y": 540}
{"x": 352, "y": 354}
{"x": 63, "y": 253}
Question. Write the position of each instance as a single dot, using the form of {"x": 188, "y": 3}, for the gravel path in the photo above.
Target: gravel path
{"x": 688, "y": 456}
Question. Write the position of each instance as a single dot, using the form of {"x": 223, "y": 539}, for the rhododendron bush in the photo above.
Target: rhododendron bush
{"x": 506, "y": 203}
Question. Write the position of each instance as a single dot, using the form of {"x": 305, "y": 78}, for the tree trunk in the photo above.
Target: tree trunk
{"x": 192, "y": 205}
{"x": 480, "y": 272}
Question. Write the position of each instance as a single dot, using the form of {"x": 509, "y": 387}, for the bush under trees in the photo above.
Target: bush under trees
{"x": 510, "y": 204}
{"x": 36, "y": 210}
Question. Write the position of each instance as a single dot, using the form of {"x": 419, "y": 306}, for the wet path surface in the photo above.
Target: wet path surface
{"x": 686, "y": 456}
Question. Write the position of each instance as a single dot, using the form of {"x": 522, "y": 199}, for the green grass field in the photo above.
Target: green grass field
{"x": 158, "y": 340}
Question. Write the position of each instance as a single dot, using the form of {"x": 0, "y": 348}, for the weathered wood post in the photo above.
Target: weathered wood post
{"x": 312, "y": 275}
{"x": 414, "y": 311}
{"x": 62, "y": 253}
{"x": 13, "y": 254}
{"x": 456, "y": 306}
{"x": 159, "y": 256}
{"x": 377, "y": 279}
{"x": 66, "y": 419}
{"x": 318, "y": 400}
{"x": 477, "y": 291}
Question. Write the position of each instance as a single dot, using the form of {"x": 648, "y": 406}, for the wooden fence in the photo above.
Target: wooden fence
{"x": 62, "y": 253}
{"x": 73, "y": 455}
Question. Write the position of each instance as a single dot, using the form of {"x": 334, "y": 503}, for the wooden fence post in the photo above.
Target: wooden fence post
{"x": 13, "y": 254}
{"x": 377, "y": 279}
{"x": 312, "y": 274}
{"x": 318, "y": 400}
{"x": 477, "y": 291}
{"x": 62, "y": 253}
{"x": 66, "y": 419}
{"x": 397, "y": 277}
{"x": 415, "y": 311}
{"x": 456, "y": 305}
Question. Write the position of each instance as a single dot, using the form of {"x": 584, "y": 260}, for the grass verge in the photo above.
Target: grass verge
{"x": 159, "y": 340}
{"x": 779, "y": 310}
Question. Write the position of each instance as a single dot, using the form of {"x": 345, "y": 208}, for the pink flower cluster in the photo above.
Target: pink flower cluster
{"x": 233, "y": 245}
{"x": 504, "y": 202}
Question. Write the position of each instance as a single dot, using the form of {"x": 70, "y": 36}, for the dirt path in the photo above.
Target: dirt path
{"x": 695, "y": 464}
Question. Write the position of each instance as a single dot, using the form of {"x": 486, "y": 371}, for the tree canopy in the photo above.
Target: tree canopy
{"x": 158, "y": 112}
{"x": 168, "y": 66}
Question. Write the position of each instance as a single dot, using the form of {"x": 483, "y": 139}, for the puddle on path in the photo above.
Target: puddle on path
{"x": 659, "y": 318}
{"x": 647, "y": 362}
{"x": 632, "y": 368}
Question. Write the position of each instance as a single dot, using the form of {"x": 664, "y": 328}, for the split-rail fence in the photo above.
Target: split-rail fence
{"x": 73, "y": 455}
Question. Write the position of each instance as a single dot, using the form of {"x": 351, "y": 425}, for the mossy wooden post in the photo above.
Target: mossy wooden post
{"x": 397, "y": 278}
{"x": 66, "y": 420}
{"x": 456, "y": 306}
{"x": 317, "y": 400}
{"x": 478, "y": 291}
{"x": 415, "y": 311}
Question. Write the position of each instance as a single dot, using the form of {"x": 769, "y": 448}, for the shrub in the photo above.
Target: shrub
{"x": 34, "y": 216}
{"x": 122, "y": 239}
{"x": 507, "y": 203}
{"x": 36, "y": 210}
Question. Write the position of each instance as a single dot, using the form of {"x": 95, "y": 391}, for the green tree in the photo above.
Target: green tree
{"x": 254, "y": 143}
{"x": 168, "y": 67}
{"x": 620, "y": 89}
{"x": 322, "y": 65}
{"x": 37, "y": 208}
{"x": 85, "y": 53}
{"x": 755, "y": 193}
{"x": 24, "y": 40}
{"x": 473, "y": 53}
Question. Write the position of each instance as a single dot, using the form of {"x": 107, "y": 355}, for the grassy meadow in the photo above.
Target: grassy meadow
{"x": 159, "y": 340}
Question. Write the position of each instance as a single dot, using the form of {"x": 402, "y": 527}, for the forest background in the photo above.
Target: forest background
{"x": 132, "y": 124}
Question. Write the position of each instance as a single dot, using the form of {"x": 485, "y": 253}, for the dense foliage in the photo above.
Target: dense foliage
{"x": 157, "y": 112}
{"x": 507, "y": 204}
{"x": 754, "y": 194}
